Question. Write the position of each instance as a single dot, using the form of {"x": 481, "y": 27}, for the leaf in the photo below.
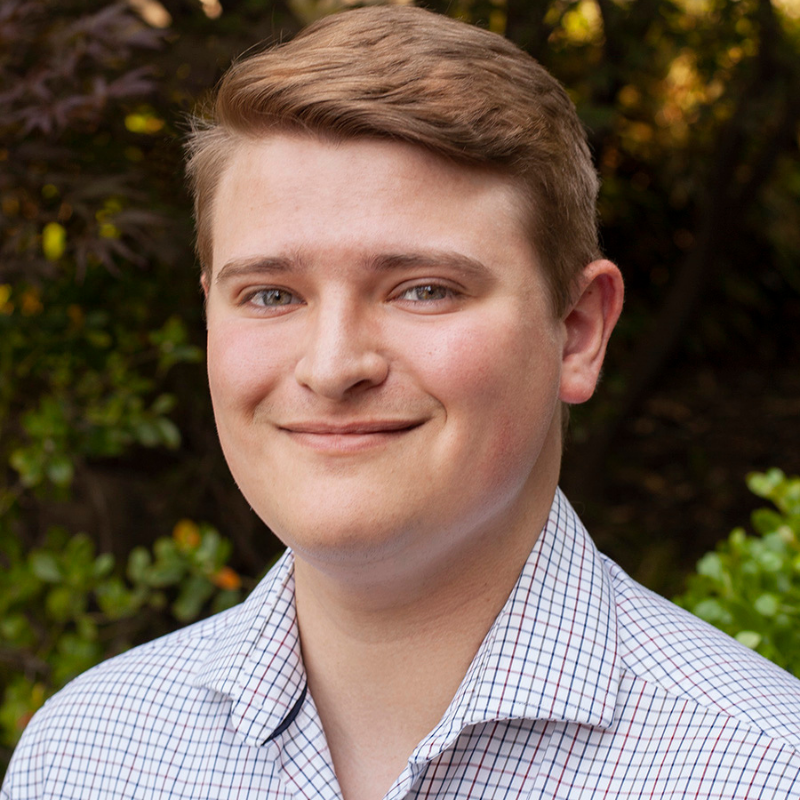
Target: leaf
{"x": 764, "y": 484}
{"x": 87, "y": 628}
{"x": 767, "y": 605}
{"x": 13, "y": 627}
{"x": 712, "y": 611}
{"x": 194, "y": 593}
{"x": 765, "y": 520}
{"x": 770, "y": 561}
{"x": 99, "y": 339}
{"x": 139, "y": 562}
{"x": 60, "y": 471}
{"x": 749, "y": 639}
{"x": 62, "y": 603}
{"x": 163, "y": 404}
{"x": 148, "y": 434}
{"x": 45, "y": 566}
{"x": 28, "y": 464}
{"x": 211, "y": 553}
{"x": 54, "y": 241}
{"x": 103, "y": 565}
{"x": 712, "y": 567}
{"x": 170, "y": 435}
{"x": 166, "y": 571}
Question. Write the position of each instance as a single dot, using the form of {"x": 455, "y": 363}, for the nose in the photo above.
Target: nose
{"x": 340, "y": 355}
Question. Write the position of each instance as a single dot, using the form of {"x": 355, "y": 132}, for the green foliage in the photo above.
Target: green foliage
{"x": 95, "y": 380}
{"x": 84, "y": 350}
{"x": 64, "y": 608}
{"x": 99, "y": 319}
{"x": 749, "y": 586}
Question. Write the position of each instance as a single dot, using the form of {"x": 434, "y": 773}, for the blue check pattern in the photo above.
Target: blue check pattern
{"x": 587, "y": 686}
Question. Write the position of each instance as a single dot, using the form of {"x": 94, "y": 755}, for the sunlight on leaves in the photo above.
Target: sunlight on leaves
{"x": 582, "y": 24}
{"x": 54, "y": 241}
{"x": 790, "y": 8}
{"x": 143, "y": 121}
{"x": 211, "y": 8}
{"x": 152, "y": 12}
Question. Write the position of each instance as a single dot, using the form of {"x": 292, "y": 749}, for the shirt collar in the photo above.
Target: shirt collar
{"x": 256, "y": 659}
{"x": 551, "y": 653}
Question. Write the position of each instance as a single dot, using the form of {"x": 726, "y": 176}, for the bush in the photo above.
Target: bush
{"x": 749, "y": 586}
{"x": 100, "y": 368}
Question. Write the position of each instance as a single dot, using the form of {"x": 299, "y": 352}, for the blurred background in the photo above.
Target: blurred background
{"x": 118, "y": 518}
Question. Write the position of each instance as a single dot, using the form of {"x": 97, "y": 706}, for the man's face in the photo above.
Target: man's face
{"x": 383, "y": 359}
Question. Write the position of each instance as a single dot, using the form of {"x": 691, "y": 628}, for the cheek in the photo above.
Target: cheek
{"x": 243, "y": 364}
{"x": 502, "y": 368}
{"x": 498, "y": 384}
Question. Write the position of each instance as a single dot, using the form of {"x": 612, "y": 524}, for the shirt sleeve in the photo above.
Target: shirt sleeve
{"x": 24, "y": 779}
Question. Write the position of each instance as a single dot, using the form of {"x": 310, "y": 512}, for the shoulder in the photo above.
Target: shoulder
{"x": 125, "y": 702}
{"x": 156, "y": 721}
{"x": 144, "y": 674}
{"x": 663, "y": 645}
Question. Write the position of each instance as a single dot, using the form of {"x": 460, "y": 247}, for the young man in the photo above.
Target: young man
{"x": 396, "y": 223}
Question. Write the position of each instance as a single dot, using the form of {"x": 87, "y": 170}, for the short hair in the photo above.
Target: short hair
{"x": 410, "y": 75}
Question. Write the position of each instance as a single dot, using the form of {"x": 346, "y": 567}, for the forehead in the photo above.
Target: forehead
{"x": 290, "y": 192}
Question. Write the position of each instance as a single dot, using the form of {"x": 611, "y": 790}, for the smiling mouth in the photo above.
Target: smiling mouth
{"x": 352, "y": 428}
{"x": 349, "y": 437}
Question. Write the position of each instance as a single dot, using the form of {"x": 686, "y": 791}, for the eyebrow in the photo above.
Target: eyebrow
{"x": 466, "y": 265}
{"x": 259, "y": 265}
{"x": 387, "y": 262}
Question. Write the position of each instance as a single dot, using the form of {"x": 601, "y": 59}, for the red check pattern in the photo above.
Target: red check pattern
{"x": 587, "y": 686}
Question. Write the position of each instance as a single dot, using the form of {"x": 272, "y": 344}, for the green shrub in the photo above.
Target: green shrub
{"x": 749, "y": 586}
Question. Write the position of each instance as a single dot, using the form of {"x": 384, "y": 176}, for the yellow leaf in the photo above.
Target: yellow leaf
{"x": 54, "y": 241}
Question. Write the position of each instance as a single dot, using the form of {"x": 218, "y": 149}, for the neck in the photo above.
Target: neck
{"x": 383, "y": 664}
{"x": 382, "y": 677}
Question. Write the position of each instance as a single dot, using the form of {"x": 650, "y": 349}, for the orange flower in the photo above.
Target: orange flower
{"x": 227, "y": 579}
{"x": 186, "y": 534}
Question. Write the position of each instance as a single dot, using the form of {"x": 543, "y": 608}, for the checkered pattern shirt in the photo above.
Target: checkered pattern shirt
{"x": 586, "y": 686}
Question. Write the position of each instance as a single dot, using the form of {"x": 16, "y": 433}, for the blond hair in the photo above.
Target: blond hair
{"x": 411, "y": 75}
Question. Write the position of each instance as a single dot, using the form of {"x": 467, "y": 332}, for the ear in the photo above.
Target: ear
{"x": 588, "y": 326}
{"x": 204, "y": 284}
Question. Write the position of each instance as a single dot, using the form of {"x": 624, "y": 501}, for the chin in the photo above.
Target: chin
{"x": 335, "y": 541}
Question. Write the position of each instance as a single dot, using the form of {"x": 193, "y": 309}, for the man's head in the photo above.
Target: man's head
{"x": 388, "y": 338}
{"x": 408, "y": 75}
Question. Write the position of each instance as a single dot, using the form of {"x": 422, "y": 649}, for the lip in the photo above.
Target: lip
{"x": 348, "y": 437}
{"x": 352, "y": 428}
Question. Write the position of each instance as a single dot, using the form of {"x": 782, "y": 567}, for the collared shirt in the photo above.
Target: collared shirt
{"x": 586, "y": 686}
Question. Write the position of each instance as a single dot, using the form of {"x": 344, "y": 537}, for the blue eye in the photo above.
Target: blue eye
{"x": 426, "y": 292}
{"x": 274, "y": 297}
